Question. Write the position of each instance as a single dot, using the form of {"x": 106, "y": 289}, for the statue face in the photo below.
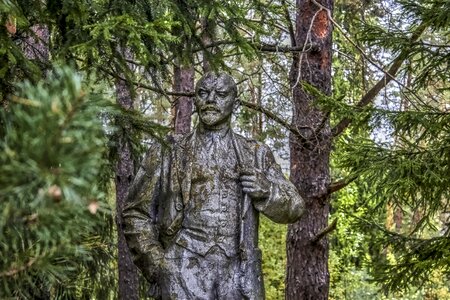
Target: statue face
{"x": 215, "y": 99}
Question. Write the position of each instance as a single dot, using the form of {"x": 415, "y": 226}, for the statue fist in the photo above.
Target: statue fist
{"x": 254, "y": 183}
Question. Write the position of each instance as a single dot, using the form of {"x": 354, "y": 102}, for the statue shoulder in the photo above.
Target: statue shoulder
{"x": 161, "y": 152}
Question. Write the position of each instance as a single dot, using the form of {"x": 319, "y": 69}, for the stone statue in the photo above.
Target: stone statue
{"x": 191, "y": 221}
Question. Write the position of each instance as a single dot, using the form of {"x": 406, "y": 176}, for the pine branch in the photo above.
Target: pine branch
{"x": 383, "y": 82}
{"x": 389, "y": 75}
{"x": 24, "y": 101}
{"x": 15, "y": 270}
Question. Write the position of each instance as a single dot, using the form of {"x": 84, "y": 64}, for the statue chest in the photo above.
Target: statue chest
{"x": 215, "y": 193}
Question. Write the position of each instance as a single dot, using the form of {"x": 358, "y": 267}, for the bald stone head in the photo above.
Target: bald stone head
{"x": 216, "y": 97}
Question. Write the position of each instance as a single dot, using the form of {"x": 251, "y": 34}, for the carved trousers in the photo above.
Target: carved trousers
{"x": 191, "y": 276}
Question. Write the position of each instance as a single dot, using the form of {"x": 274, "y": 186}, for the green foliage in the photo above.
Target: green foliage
{"x": 397, "y": 147}
{"x": 272, "y": 241}
{"x": 55, "y": 218}
{"x": 348, "y": 249}
{"x": 410, "y": 175}
{"x": 359, "y": 255}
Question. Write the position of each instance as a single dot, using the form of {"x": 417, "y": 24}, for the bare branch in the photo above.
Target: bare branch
{"x": 322, "y": 123}
{"x": 289, "y": 22}
{"x": 146, "y": 86}
{"x": 275, "y": 118}
{"x": 340, "y": 184}
{"x": 311, "y": 47}
{"x": 249, "y": 105}
{"x": 389, "y": 75}
{"x": 325, "y": 231}
{"x": 307, "y": 43}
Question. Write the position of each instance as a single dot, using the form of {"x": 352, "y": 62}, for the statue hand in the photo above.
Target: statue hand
{"x": 254, "y": 183}
{"x": 156, "y": 263}
{"x": 161, "y": 265}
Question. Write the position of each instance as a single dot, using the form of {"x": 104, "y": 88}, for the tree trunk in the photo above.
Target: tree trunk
{"x": 128, "y": 274}
{"x": 183, "y": 81}
{"x": 256, "y": 98}
{"x": 35, "y": 45}
{"x": 207, "y": 36}
{"x": 307, "y": 252}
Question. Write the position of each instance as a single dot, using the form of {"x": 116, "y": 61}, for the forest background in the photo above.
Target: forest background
{"x": 351, "y": 95}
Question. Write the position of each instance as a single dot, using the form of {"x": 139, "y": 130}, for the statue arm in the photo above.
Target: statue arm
{"x": 284, "y": 204}
{"x": 141, "y": 213}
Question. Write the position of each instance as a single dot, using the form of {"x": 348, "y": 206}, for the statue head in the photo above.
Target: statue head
{"x": 215, "y": 99}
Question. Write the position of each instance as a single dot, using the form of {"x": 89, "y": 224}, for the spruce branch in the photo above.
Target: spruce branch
{"x": 389, "y": 75}
{"x": 383, "y": 82}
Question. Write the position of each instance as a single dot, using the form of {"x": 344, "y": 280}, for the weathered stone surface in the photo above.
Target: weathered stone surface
{"x": 191, "y": 221}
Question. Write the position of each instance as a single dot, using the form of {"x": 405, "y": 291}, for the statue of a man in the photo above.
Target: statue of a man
{"x": 192, "y": 218}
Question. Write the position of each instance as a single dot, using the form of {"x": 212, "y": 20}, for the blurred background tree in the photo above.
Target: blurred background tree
{"x": 56, "y": 218}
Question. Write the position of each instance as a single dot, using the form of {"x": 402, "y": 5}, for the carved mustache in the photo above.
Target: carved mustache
{"x": 209, "y": 107}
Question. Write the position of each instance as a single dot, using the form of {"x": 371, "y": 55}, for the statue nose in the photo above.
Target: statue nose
{"x": 211, "y": 97}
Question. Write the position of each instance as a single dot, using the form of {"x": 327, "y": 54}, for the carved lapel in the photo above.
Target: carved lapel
{"x": 186, "y": 157}
{"x": 247, "y": 152}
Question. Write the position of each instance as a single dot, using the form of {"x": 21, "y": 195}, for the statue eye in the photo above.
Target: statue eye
{"x": 203, "y": 93}
{"x": 222, "y": 94}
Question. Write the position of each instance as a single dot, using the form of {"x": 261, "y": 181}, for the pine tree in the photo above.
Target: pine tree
{"x": 125, "y": 171}
{"x": 55, "y": 214}
{"x": 310, "y": 152}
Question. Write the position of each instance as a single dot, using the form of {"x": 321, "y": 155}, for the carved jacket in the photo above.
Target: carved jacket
{"x": 156, "y": 200}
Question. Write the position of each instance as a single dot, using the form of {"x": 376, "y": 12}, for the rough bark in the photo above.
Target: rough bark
{"x": 307, "y": 250}
{"x": 207, "y": 36}
{"x": 128, "y": 273}
{"x": 35, "y": 44}
{"x": 183, "y": 81}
